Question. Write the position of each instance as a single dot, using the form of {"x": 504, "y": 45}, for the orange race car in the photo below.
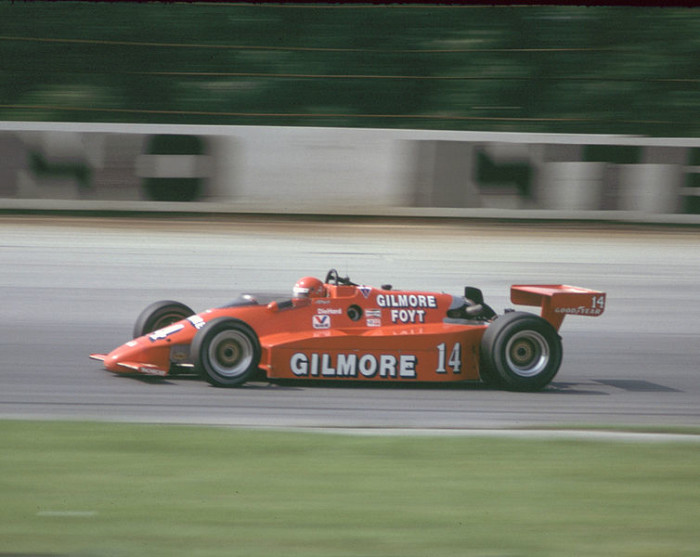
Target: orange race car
{"x": 338, "y": 330}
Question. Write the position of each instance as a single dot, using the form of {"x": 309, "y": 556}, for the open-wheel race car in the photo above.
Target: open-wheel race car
{"x": 339, "y": 330}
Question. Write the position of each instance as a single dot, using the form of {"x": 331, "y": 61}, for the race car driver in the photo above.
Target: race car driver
{"x": 309, "y": 287}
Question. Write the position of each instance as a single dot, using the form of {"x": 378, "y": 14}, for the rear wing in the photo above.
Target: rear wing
{"x": 559, "y": 300}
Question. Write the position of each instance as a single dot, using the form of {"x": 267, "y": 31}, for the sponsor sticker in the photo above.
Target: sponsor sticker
{"x": 354, "y": 365}
{"x": 166, "y": 332}
{"x": 406, "y": 301}
{"x": 197, "y": 321}
{"x": 365, "y": 290}
{"x": 407, "y": 315}
{"x": 581, "y": 310}
{"x": 321, "y": 322}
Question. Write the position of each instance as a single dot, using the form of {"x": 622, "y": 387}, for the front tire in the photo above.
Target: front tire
{"x": 226, "y": 352}
{"x": 159, "y": 315}
{"x": 520, "y": 352}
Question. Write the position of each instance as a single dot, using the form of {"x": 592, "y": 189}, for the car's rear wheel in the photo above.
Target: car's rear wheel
{"x": 226, "y": 352}
{"x": 521, "y": 352}
{"x": 159, "y": 315}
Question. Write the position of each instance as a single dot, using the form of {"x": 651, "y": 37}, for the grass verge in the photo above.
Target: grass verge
{"x": 115, "y": 489}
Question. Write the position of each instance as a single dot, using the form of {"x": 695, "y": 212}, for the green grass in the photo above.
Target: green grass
{"x": 120, "y": 490}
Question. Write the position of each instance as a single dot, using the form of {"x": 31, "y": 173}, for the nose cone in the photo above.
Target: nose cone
{"x": 124, "y": 353}
{"x": 139, "y": 356}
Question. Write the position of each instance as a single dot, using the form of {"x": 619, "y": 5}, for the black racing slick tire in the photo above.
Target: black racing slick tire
{"x": 226, "y": 352}
{"x": 520, "y": 352}
{"x": 159, "y": 315}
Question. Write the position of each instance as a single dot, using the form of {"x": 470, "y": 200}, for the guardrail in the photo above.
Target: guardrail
{"x": 299, "y": 170}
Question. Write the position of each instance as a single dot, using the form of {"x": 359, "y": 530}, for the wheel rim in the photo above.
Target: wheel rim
{"x": 230, "y": 353}
{"x": 527, "y": 353}
{"x": 167, "y": 320}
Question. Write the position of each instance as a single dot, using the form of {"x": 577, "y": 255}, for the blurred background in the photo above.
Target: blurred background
{"x": 348, "y": 107}
{"x": 552, "y": 112}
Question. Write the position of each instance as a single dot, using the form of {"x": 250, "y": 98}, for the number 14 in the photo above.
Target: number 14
{"x": 454, "y": 361}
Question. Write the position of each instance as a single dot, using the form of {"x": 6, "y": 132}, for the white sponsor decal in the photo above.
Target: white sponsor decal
{"x": 353, "y": 365}
{"x": 166, "y": 332}
{"x": 596, "y": 308}
{"x": 374, "y": 322}
{"x": 329, "y": 311}
{"x": 581, "y": 310}
{"x": 196, "y": 321}
{"x": 321, "y": 322}
{"x": 408, "y": 316}
{"x": 406, "y": 301}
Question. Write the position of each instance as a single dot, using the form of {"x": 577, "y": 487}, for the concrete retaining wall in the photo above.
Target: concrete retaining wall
{"x": 353, "y": 171}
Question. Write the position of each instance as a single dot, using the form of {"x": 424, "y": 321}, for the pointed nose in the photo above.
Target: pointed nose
{"x": 138, "y": 356}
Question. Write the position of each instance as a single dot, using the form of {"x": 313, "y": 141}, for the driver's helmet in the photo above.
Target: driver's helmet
{"x": 309, "y": 287}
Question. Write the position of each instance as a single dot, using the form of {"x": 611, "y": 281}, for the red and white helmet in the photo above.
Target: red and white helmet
{"x": 309, "y": 287}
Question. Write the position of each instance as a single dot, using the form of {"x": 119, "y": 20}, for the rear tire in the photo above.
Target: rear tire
{"x": 520, "y": 352}
{"x": 159, "y": 315}
{"x": 226, "y": 352}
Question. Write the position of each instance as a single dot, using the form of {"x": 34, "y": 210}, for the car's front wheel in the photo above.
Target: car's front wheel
{"x": 521, "y": 352}
{"x": 226, "y": 352}
{"x": 159, "y": 315}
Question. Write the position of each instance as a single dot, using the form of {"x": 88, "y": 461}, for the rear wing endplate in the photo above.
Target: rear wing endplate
{"x": 559, "y": 300}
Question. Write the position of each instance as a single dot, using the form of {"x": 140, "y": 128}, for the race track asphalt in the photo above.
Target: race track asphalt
{"x": 72, "y": 286}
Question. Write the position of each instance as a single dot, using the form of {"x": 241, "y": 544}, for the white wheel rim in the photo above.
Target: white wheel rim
{"x": 230, "y": 353}
{"x": 527, "y": 353}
